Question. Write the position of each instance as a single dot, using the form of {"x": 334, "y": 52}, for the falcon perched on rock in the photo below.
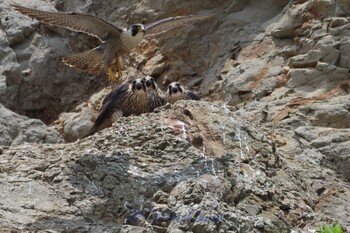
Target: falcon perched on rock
{"x": 177, "y": 92}
{"x": 155, "y": 100}
{"x": 128, "y": 99}
{"x": 116, "y": 41}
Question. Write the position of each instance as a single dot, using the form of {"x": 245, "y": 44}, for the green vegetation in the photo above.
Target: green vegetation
{"x": 335, "y": 228}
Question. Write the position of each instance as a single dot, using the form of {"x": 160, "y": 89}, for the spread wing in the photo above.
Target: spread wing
{"x": 89, "y": 61}
{"x": 172, "y": 23}
{"x": 89, "y": 24}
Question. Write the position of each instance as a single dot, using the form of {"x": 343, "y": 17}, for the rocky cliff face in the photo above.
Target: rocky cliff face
{"x": 267, "y": 150}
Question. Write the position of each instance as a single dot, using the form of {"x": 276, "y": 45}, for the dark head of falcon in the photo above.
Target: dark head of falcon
{"x": 138, "y": 85}
{"x": 155, "y": 100}
{"x": 175, "y": 88}
{"x": 137, "y": 28}
{"x": 150, "y": 83}
{"x": 177, "y": 92}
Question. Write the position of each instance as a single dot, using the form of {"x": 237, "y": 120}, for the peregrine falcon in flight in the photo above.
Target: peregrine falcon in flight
{"x": 177, "y": 92}
{"x": 116, "y": 41}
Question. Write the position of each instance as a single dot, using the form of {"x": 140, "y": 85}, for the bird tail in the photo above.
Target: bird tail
{"x": 90, "y": 61}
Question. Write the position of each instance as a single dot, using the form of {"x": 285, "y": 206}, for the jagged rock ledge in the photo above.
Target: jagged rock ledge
{"x": 177, "y": 170}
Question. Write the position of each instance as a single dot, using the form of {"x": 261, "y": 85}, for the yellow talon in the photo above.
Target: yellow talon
{"x": 120, "y": 73}
{"x": 111, "y": 76}
{"x": 119, "y": 67}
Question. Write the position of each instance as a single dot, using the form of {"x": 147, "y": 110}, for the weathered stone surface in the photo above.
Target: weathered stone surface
{"x": 267, "y": 150}
{"x": 291, "y": 20}
{"x": 17, "y": 129}
{"x": 163, "y": 141}
{"x": 312, "y": 81}
{"x": 38, "y": 84}
{"x": 237, "y": 180}
{"x": 77, "y": 125}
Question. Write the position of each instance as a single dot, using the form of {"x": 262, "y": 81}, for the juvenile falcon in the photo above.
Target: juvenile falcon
{"x": 127, "y": 99}
{"x": 155, "y": 100}
{"x": 116, "y": 41}
{"x": 177, "y": 92}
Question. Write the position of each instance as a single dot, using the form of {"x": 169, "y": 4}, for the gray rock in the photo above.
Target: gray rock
{"x": 36, "y": 79}
{"x": 77, "y": 124}
{"x": 133, "y": 229}
{"x": 222, "y": 187}
{"x": 344, "y": 60}
{"x": 113, "y": 161}
{"x": 306, "y": 60}
{"x": 344, "y": 7}
{"x": 17, "y": 129}
{"x": 306, "y": 81}
{"x": 290, "y": 21}
{"x": 334, "y": 115}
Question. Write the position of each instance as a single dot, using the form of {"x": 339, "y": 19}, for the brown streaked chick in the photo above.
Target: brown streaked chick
{"x": 155, "y": 100}
{"x": 128, "y": 99}
{"x": 177, "y": 92}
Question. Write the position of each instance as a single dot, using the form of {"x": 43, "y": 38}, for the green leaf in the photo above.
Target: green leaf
{"x": 320, "y": 230}
{"x": 337, "y": 229}
{"x": 325, "y": 229}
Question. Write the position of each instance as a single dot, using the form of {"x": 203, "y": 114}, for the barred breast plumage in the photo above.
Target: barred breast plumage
{"x": 155, "y": 100}
{"x": 128, "y": 99}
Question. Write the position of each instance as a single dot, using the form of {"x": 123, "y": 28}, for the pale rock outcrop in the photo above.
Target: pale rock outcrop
{"x": 76, "y": 125}
{"x": 17, "y": 129}
{"x": 33, "y": 78}
{"x": 183, "y": 171}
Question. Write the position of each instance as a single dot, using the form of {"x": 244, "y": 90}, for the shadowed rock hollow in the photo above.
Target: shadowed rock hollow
{"x": 267, "y": 150}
